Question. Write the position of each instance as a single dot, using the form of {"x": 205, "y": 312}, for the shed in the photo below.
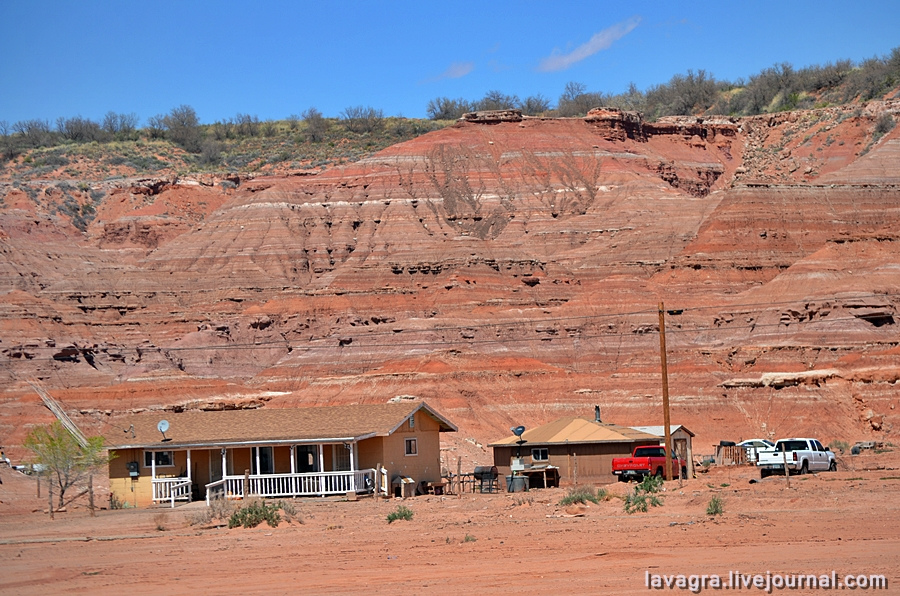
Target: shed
{"x": 681, "y": 441}
{"x": 582, "y": 448}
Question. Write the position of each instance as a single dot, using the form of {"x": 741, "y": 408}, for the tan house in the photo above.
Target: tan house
{"x": 163, "y": 457}
{"x": 581, "y": 448}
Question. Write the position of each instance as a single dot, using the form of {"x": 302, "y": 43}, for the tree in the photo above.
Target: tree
{"x": 444, "y": 108}
{"x": 496, "y": 100}
{"x": 183, "y": 128}
{"x": 361, "y": 119}
{"x": 577, "y": 101}
{"x": 67, "y": 461}
{"x": 316, "y": 126}
{"x": 535, "y": 105}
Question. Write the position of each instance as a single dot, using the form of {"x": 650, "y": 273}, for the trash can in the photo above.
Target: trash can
{"x": 516, "y": 484}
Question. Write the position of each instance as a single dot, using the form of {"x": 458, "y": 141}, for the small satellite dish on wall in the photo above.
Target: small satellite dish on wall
{"x": 518, "y": 430}
{"x": 162, "y": 427}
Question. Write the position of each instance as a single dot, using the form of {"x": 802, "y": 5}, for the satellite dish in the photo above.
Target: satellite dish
{"x": 162, "y": 427}
{"x": 518, "y": 430}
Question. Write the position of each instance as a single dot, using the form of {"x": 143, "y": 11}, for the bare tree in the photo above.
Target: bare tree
{"x": 316, "y": 126}
{"x": 183, "y": 128}
{"x": 444, "y": 108}
{"x": 361, "y": 119}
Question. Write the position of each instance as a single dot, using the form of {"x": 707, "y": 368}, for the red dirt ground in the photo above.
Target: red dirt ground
{"x": 522, "y": 543}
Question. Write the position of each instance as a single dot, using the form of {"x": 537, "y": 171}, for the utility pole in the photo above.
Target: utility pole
{"x": 665, "y": 389}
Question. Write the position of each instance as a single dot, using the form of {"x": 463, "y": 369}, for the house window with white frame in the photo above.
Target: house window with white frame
{"x": 540, "y": 454}
{"x": 412, "y": 422}
{"x": 412, "y": 448}
{"x": 164, "y": 459}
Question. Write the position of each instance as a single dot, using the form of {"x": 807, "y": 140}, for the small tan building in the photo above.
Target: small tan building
{"x": 582, "y": 448}
{"x": 164, "y": 457}
{"x": 681, "y": 442}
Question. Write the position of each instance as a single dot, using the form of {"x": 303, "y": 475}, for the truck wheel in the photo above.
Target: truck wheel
{"x": 683, "y": 472}
{"x": 804, "y": 469}
{"x": 833, "y": 467}
{"x": 763, "y": 473}
{"x": 659, "y": 473}
{"x": 622, "y": 478}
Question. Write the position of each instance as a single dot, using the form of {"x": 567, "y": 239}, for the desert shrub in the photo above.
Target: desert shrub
{"x": 644, "y": 495}
{"x": 469, "y": 538}
{"x": 839, "y": 445}
{"x": 211, "y": 152}
{"x": 884, "y": 124}
{"x": 361, "y": 119}
{"x": 444, "y": 108}
{"x": 255, "y": 513}
{"x": 402, "y": 512}
{"x": 583, "y": 494}
{"x": 496, "y": 100}
{"x": 160, "y": 520}
{"x": 715, "y": 506}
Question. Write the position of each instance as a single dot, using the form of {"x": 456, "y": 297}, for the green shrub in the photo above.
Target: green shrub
{"x": 255, "y": 513}
{"x": 402, "y": 512}
{"x": 644, "y": 495}
{"x": 715, "y": 507}
{"x": 583, "y": 494}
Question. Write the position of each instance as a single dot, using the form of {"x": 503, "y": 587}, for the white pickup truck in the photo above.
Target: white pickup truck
{"x": 802, "y": 455}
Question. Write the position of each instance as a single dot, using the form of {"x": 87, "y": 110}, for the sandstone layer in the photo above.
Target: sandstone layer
{"x": 507, "y": 271}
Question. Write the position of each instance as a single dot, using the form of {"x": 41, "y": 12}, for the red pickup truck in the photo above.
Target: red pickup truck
{"x": 645, "y": 461}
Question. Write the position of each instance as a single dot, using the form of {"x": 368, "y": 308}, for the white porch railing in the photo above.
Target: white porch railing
{"x": 171, "y": 489}
{"x": 312, "y": 484}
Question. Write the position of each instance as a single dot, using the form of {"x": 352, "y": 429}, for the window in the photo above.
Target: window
{"x": 411, "y": 447}
{"x": 164, "y": 459}
{"x": 541, "y": 454}
{"x": 266, "y": 463}
{"x": 412, "y": 422}
{"x": 307, "y": 458}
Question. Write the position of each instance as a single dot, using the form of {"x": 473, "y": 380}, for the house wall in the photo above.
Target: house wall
{"x": 593, "y": 460}
{"x": 139, "y": 492}
{"x": 425, "y": 466}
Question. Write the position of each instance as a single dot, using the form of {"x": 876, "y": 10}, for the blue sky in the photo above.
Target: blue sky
{"x": 275, "y": 58}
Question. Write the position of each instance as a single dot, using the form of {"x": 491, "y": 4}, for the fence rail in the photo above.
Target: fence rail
{"x": 311, "y": 484}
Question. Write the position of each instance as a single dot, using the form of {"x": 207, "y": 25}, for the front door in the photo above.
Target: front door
{"x": 215, "y": 466}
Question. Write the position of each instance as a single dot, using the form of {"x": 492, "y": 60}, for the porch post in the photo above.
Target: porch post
{"x": 352, "y": 467}
{"x": 321, "y": 447}
{"x": 294, "y": 480}
{"x": 190, "y": 486}
{"x": 224, "y": 460}
{"x": 152, "y": 476}
{"x": 257, "y": 460}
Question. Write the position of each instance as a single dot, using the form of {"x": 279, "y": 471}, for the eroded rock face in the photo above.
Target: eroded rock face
{"x": 507, "y": 272}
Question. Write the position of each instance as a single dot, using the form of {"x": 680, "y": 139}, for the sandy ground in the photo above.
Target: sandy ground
{"x": 523, "y": 543}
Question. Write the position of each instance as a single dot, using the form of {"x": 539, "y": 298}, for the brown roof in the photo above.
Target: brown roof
{"x": 577, "y": 430}
{"x": 267, "y": 426}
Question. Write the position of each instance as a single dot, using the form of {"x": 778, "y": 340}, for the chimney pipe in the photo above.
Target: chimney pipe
{"x": 597, "y": 414}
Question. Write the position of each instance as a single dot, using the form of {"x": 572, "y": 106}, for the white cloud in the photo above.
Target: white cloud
{"x": 599, "y": 41}
{"x": 457, "y": 70}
